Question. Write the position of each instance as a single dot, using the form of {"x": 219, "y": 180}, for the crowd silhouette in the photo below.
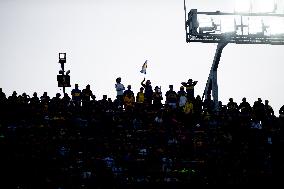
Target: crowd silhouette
{"x": 137, "y": 140}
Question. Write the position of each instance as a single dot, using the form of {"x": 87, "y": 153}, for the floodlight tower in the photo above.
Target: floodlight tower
{"x": 224, "y": 28}
{"x": 63, "y": 78}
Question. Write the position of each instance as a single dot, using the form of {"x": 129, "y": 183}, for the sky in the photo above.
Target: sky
{"x": 106, "y": 39}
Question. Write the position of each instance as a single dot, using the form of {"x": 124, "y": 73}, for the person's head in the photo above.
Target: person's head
{"x": 148, "y": 82}
{"x": 35, "y": 94}
{"x": 44, "y": 93}
{"x": 189, "y": 81}
{"x": 141, "y": 89}
{"x": 14, "y": 93}
{"x": 58, "y": 95}
{"x": 231, "y": 100}
{"x": 198, "y": 97}
{"x": 244, "y": 99}
{"x": 76, "y": 86}
{"x": 182, "y": 88}
{"x": 157, "y": 89}
{"x": 171, "y": 87}
{"x": 128, "y": 87}
{"x": 266, "y": 102}
{"x": 259, "y": 100}
{"x": 88, "y": 86}
{"x": 118, "y": 80}
{"x": 104, "y": 97}
{"x": 93, "y": 97}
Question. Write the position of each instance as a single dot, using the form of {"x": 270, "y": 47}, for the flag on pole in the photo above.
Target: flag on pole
{"x": 144, "y": 67}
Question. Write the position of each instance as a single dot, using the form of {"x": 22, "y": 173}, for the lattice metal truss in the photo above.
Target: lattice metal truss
{"x": 240, "y": 32}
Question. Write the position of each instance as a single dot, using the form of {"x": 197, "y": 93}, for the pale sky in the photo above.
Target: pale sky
{"x": 106, "y": 39}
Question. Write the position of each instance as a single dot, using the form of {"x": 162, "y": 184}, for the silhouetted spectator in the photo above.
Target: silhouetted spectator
{"x": 245, "y": 107}
{"x": 119, "y": 87}
{"x": 45, "y": 98}
{"x": 148, "y": 91}
{"x": 128, "y": 91}
{"x": 182, "y": 99}
{"x": 281, "y": 111}
{"x": 2, "y": 96}
{"x": 129, "y": 101}
{"x": 171, "y": 97}
{"x": 269, "y": 112}
{"x": 13, "y": 98}
{"x": 76, "y": 95}
{"x": 258, "y": 109}
{"x": 140, "y": 98}
{"x": 232, "y": 107}
{"x": 157, "y": 98}
{"x": 86, "y": 95}
{"x": 189, "y": 88}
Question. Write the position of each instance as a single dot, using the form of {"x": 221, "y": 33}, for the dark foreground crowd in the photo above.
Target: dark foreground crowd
{"x": 133, "y": 141}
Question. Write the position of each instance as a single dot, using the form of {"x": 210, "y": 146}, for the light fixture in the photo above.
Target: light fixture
{"x": 62, "y": 57}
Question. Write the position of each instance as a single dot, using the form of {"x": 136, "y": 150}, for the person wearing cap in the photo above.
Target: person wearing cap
{"x": 189, "y": 88}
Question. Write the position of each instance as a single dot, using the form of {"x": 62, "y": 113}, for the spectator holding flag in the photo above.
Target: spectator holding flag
{"x": 148, "y": 91}
{"x": 147, "y": 86}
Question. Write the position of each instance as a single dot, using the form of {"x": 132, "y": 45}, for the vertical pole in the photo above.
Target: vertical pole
{"x": 212, "y": 84}
{"x": 63, "y": 71}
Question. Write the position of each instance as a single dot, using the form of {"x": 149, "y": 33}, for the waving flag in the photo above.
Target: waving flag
{"x": 144, "y": 67}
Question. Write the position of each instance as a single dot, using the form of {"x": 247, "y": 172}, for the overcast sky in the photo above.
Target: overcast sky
{"x": 106, "y": 39}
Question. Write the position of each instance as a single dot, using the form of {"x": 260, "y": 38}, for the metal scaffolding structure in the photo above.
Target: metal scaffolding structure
{"x": 241, "y": 31}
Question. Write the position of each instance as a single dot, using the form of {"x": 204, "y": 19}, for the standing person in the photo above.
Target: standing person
{"x": 171, "y": 97}
{"x": 189, "y": 88}
{"x": 140, "y": 97}
{"x": 86, "y": 96}
{"x": 119, "y": 89}
{"x": 76, "y": 95}
{"x": 157, "y": 98}
{"x": 181, "y": 97}
{"x": 148, "y": 91}
{"x": 128, "y": 91}
{"x": 2, "y": 96}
